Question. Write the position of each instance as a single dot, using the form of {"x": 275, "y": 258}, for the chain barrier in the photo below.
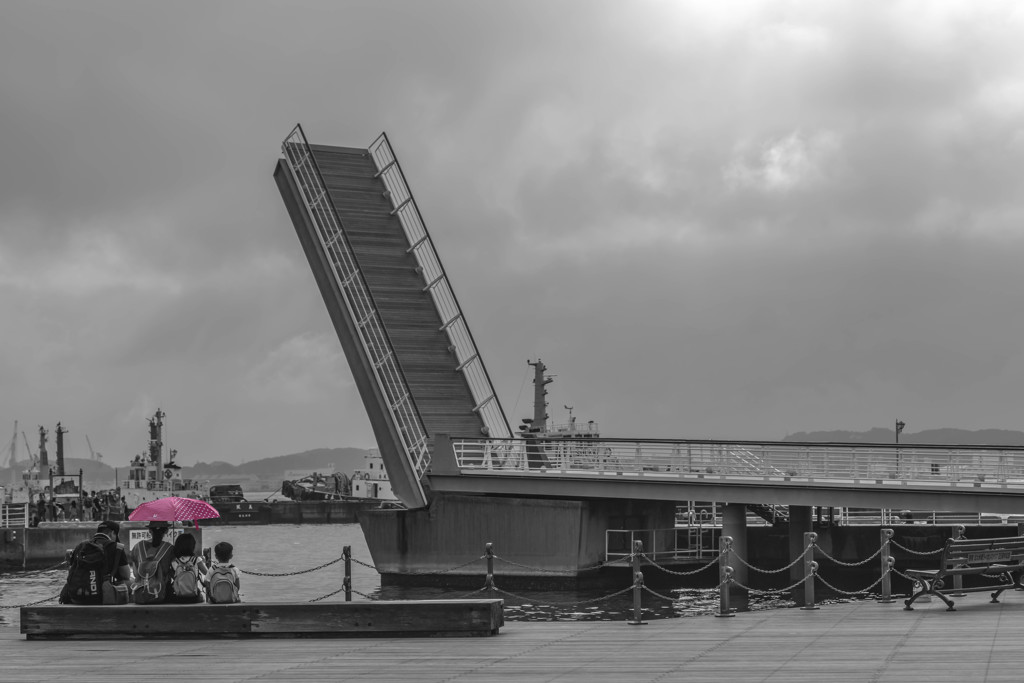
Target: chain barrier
{"x": 304, "y": 571}
{"x": 450, "y": 569}
{"x": 848, "y": 564}
{"x": 773, "y": 571}
{"x": 916, "y": 552}
{"x": 772, "y": 591}
{"x": 34, "y": 572}
{"x": 363, "y": 595}
{"x": 842, "y": 592}
{"x": 364, "y": 564}
{"x": 324, "y": 597}
{"x": 565, "y": 604}
{"x": 687, "y": 573}
{"x": 536, "y": 569}
{"x": 658, "y": 595}
{"x": 31, "y": 604}
{"x": 897, "y": 571}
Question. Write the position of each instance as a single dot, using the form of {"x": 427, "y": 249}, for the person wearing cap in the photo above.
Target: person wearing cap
{"x": 116, "y": 563}
{"x": 150, "y": 549}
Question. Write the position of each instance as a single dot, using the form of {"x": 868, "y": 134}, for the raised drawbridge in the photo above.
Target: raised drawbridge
{"x": 412, "y": 355}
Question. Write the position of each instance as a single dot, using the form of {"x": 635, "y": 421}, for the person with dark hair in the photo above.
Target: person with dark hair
{"x": 223, "y": 581}
{"x": 151, "y": 563}
{"x": 96, "y": 568}
{"x": 187, "y": 571}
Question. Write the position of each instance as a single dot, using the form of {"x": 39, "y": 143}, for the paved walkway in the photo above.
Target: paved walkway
{"x": 864, "y": 641}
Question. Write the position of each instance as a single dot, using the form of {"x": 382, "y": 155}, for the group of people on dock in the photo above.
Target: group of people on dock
{"x": 154, "y": 571}
{"x": 95, "y": 506}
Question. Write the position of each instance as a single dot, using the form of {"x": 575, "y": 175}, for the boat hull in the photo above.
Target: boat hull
{"x": 291, "y": 512}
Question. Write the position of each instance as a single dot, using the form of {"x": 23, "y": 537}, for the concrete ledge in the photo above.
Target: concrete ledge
{"x": 420, "y": 618}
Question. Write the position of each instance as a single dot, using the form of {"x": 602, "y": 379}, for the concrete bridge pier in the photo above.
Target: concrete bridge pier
{"x": 800, "y": 522}
{"x": 734, "y": 524}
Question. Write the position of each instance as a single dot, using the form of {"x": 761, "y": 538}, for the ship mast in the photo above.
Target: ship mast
{"x": 156, "y": 440}
{"x": 540, "y": 404}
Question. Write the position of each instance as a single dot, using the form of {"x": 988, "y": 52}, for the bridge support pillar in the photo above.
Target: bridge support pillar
{"x": 734, "y": 523}
{"x": 800, "y": 522}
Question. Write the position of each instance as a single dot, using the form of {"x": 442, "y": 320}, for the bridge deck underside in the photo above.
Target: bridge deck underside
{"x": 441, "y": 395}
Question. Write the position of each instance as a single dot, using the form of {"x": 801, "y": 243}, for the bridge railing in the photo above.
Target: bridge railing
{"x": 983, "y": 466}
{"x": 465, "y": 352}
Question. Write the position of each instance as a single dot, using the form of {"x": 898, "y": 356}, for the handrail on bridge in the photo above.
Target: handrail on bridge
{"x": 979, "y": 466}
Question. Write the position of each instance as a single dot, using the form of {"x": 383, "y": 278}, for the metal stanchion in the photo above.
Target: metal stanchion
{"x": 346, "y": 553}
{"x": 887, "y": 563}
{"x": 489, "y": 581}
{"x": 638, "y": 585}
{"x": 810, "y": 569}
{"x": 724, "y": 576}
{"x": 958, "y": 581}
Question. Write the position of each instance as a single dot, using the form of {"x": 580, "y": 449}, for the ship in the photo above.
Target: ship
{"x": 154, "y": 474}
{"x": 320, "y": 497}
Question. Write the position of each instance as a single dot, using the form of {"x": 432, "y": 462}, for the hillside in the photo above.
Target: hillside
{"x": 98, "y": 474}
{"x": 946, "y": 435}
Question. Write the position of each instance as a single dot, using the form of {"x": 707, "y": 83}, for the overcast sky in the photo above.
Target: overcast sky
{"x": 710, "y": 219}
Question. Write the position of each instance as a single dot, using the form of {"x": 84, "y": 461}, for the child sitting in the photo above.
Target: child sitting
{"x": 222, "y": 581}
{"x": 187, "y": 571}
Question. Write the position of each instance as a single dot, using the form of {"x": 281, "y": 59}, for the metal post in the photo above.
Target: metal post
{"x": 810, "y": 569}
{"x": 887, "y": 562}
{"x": 638, "y": 584}
{"x": 489, "y": 581}
{"x": 346, "y": 582}
{"x": 958, "y": 580}
{"x": 724, "y": 576}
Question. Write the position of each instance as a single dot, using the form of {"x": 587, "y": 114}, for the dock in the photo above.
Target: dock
{"x": 838, "y": 643}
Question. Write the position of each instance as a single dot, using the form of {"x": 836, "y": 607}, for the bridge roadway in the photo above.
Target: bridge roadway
{"x": 956, "y": 479}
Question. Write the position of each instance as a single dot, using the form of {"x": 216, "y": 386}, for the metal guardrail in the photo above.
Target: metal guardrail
{"x": 863, "y": 464}
{"x": 14, "y": 515}
{"x": 467, "y": 356}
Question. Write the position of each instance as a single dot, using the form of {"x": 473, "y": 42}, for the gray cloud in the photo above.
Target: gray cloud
{"x": 710, "y": 221}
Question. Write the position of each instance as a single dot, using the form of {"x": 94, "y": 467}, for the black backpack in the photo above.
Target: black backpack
{"x": 89, "y": 569}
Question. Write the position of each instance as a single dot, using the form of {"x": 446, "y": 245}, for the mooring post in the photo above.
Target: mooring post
{"x": 638, "y": 584}
{"x": 346, "y": 553}
{"x": 810, "y": 569}
{"x": 958, "y": 580}
{"x": 887, "y": 563}
{"x": 724, "y": 576}
{"x": 489, "y": 581}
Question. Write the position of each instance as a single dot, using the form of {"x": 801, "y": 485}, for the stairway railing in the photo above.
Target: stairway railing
{"x": 466, "y": 355}
{"x": 360, "y": 306}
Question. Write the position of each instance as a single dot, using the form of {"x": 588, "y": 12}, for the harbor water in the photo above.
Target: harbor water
{"x": 286, "y": 549}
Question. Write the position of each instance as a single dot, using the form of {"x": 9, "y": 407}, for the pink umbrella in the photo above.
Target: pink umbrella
{"x": 173, "y": 509}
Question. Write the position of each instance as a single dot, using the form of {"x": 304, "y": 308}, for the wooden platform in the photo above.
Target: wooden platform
{"x": 276, "y": 620}
{"x": 864, "y": 642}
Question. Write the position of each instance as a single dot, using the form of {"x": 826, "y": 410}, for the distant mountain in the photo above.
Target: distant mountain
{"x": 97, "y": 474}
{"x": 343, "y": 459}
{"x": 944, "y": 436}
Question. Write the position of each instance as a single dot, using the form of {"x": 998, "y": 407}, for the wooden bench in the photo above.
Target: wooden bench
{"x": 271, "y": 619}
{"x": 999, "y": 558}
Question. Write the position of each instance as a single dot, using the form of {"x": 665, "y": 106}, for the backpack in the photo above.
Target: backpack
{"x": 151, "y": 584}
{"x": 222, "y": 585}
{"x": 185, "y": 582}
{"x": 87, "y": 573}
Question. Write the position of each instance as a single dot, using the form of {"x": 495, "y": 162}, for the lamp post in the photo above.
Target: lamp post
{"x": 899, "y": 465}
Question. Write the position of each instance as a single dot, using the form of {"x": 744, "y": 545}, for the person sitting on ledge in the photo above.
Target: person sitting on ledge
{"x": 93, "y": 563}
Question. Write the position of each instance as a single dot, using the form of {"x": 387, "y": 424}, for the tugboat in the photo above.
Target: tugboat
{"x": 151, "y": 475}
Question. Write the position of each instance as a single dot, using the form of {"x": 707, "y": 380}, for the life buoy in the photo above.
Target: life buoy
{"x": 168, "y": 474}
